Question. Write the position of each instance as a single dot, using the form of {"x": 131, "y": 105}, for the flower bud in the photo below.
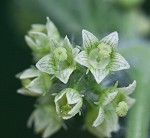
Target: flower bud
{"x": 38, "y": 38}
{"x": 34, "y": 82}
{"x": 45, "y": 120}
{"x": 68, "y": 103}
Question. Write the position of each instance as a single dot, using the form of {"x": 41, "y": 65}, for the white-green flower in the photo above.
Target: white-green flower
{"x": 45, "y": 120}
{"x": 118, "y": 98}
{"x": 39, "y": 36}
{"x": 110, "y": 122}
{"x": 60, "y": 62}
{"x": 68, "y": 103}
{"x": 104, "y": 101}
{"x": 124, "y": 95}
{"x": 34, "y": 82}
{"x": 101, "y": 57}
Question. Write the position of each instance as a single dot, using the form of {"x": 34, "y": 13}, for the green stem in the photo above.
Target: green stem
{"x": 138, "y": 122}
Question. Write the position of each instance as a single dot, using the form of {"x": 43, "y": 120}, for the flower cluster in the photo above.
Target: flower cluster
{"x": 66, "y": 78}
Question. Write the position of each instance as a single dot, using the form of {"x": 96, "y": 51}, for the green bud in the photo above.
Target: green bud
{"x": 34, "y": 82}
{"x": 60, "y": 54}
{"x": 45, "y": 120}
{"x": 68, "y": 103}
{"x": 122, "y": 109}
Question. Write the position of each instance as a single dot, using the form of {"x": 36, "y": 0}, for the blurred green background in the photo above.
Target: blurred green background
{"x": 131, "y": 18}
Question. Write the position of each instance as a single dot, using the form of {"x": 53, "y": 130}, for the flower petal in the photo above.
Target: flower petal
{"x": 64, "y": 75}
{"x": 72, "y": 96}
{"x": 98, "y": 74}
{"x": 53, "y": 44}
{"x": 30, "y": 42}
{"x": 51, "y": 129}
{"x": 111, "y": 120}
{"x": 130, "y": 101}
{"x": 89, "y": 40}
{"x": 109, "y": 97}
{"x": 46, "y": 64}
{"x": 24, "y": 91}
{"x": 67, "y": 44}
{"x": 100, "y": 118}
{"x": 28, "y": 73}
{"x": 75, "y": 51}
{"x": 128, "y": 90}
{"x": 76, "y": 108}
{"x": 118, "y": 62}
{"x": 111, "y": 39}
{"x": 82, "y": 58}
{"x": 52, "y": 30}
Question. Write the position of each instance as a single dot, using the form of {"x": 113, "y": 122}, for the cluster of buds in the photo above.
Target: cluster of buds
{"x": 67, "y": 78}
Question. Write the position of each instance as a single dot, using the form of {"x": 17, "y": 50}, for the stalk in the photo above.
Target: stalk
{"x": 139, "y": 117}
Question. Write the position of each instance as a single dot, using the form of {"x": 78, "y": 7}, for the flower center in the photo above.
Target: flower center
{"x": 104, "y": 50}
{"x": 65, "y": 109}
{"x": 99, "y": 57}
{"x": 122, "y": 109}
{"x": 60, "y": 54}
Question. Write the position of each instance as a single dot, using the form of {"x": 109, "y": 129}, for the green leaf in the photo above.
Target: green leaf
{"x": 118, "y": 62}
{"x": 46, "y": 64}
{"x": 89, "y": 40}
{"x": 98, "y": 74}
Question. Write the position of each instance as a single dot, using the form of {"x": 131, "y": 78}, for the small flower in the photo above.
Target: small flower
{"x": 101, "y": 57}
{"x": 118, "y": 98}
{"x": 45, "y": 120}
{"x": 68, "y": 103}
{"x": 61, "y": 61}
{"x": 110, "y": 122}
{"x": 39, "y": 36}
{"x": 34, "y": 82}
{"x": 122, "y": 109}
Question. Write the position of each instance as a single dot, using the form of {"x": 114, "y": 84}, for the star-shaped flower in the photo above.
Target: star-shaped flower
{"x": 101, "y": 57}
{"x": 60, "y": 62}
{"x": 118, "y": 98}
